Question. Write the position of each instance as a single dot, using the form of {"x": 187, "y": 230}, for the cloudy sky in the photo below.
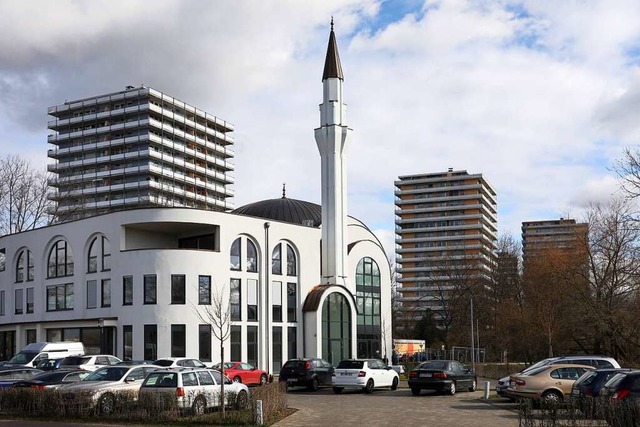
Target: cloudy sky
{"x": 539, "y": 96}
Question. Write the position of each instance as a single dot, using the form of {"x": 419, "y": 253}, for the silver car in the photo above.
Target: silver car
{"x": 103, "y": 383}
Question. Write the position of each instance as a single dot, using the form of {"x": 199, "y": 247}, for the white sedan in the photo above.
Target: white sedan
{"x": 366, "y": 374}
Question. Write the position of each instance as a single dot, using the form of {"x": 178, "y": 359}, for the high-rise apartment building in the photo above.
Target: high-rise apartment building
{"x": 138, "y": 147}
{"x": 446, "y": 237}
{"x": 562, "y": 234}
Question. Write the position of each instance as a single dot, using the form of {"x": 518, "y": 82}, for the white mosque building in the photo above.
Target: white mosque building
{"x": 302, "y": 280}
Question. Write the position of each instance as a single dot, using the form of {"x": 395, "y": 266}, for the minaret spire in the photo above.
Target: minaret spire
{"x": 332, "y": 67}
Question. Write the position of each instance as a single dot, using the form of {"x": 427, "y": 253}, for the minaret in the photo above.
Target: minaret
{"x": 331, "y": 138}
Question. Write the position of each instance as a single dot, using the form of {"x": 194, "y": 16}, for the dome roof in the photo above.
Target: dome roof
{"x": 283, "y": 209}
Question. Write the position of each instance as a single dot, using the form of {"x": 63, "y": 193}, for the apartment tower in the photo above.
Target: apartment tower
{"x": 446, "y": 237}
{"x": 134, "y": 148}
{"x": 562, "y": 234}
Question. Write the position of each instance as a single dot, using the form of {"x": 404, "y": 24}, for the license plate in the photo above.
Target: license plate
{"x": 425, "y": 375}
{"x": 346, "y": 374}
{"x": 292, "y": 380}
{"x": 512, "y": 384}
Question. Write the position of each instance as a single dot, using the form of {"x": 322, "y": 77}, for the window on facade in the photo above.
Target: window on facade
{"x": 235, "y": 300}
{"x": 178, "y": 289}
{"x": 60, "y": 261}
{"x": 204, "y": 338}
{"x": 106, "y": 293}
{"x": 252, "y": 300}
{"x": 336, "y": 328}
{"x": 276, "y": 301}
{"x": 204, "y": 290}
{"x": 150, "y": 342}
{"x": 252, "y": 345}
{"x": 30, "y": 296}
{"x": 236, "y": 343}
{"x": 92, "y": 257}
{"x": 150, "y": 289}
{"x": 277, "y": 348}
{"x": 368, "y": 300}
{"x": 178, "y": 340}
{"x": 106, "y": 254}
{"x": 291, "y": 261}
{"x": 252, "y": 257}
{"x": 60, "y": 297}
{"x": 1, "y": 303}
{"x": 3, "y": 256}
{"x": 127, "y": 290}
{"x": 24, "y": 266}
{"x": 203, "y": 242}
{"x": 92, "y": 293}
{"x": 234, "y": 255}
{"x": 19, "y": 304}
{"x": 31, "y": 336}
{"x": 20, "y": 267}
{"x": 127, "y": 342}
{"x": 292, "y": 301}
{"x": 292, "y": 347}
{"x": 276, "y": 261}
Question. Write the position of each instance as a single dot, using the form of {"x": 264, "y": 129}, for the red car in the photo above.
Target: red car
{"x": 245, "y": 373}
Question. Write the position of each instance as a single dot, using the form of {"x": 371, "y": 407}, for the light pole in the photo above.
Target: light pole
{"x": 473, "y": 353}
{"x": 100, "y": 325}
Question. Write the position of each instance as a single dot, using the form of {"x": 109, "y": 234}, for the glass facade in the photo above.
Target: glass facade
{"x": 336, "y": 328}
{"x": 368, "y": 299}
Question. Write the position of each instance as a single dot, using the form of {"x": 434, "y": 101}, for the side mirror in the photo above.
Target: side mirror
{"x": 129, "y": 380}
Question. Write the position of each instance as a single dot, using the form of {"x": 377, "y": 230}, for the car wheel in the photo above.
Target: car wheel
{"x": 263, "y": 379}
{"x": 314, "y": 385}
{"x": 237, "y": 379}
{"x": 452, "y": 390}
{"x": 369, "y": 387}
{"x": 107, "y": 404}
{"x": 199, "y": 406}
{"x": 551, "y": 398}
{"x": 474, "y": 385}
{"x": 394, "y": 384}
{"x": 242, "y": 400}
{"x": 337, "y": 390}
{"x": 415, "y": 391}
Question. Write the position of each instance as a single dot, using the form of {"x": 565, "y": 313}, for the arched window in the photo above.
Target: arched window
{"x": 291, "y": 262}
{"x": 24, "y": 266}
{"x": 252, "y": 257}
{"x": 60, "y": 261}
{"x": 106, "y": 254}
{"x": 92, "y": 261}
{"x": 276, "y": 261}
{"x": 99, "y": 248}
{"x": 368, "y": 298}
{"x": 336, "y": 328}
{"x": 234, "y": 255}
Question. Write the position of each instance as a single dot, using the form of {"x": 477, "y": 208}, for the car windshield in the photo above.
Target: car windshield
{"x": 540, "y": 364}
{"x": 351, "y": 364}
{"x": 107, "y": 374}
{"x": 23, "y": 357}
{"x": 161, "y": 379}
{"x": 293, "y": 364}
{"x": 434, "y": 364}
{"x": 74, "y": 361}
{"x": 586, "y": 378}
{"x": 615, "y": 381}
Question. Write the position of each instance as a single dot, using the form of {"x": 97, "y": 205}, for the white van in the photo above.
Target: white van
{"x": 37, "y": 351}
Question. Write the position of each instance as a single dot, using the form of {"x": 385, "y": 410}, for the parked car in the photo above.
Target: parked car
{"x": 586, "y": 390}
{"x": 88, "y": 363}
{"x": 245, "y": 373}
{"x": 9, "y": 376}
{"x": 102, "y": 383}
{"x": 551, "y": 384}
{"x": 443, "y": 376}
{"x": 52, "y": 379}
{"x": 598, "y": 362}
{"x": 366, "y": 374}
{"x": 310, "y": 373}
{"x": 195, "y": 389}
{"x": 33, "y": 353}
{"x": 184, "y": 362}
{"x": 48, "y": 364}
{"x": 622, "y": 392}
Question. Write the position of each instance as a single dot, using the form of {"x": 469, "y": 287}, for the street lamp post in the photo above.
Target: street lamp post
{"x": 473, "y": 342}
{"x": 100, "y": 325}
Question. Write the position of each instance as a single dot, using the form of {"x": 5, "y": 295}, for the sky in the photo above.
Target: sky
{"x": 539, "y": 96}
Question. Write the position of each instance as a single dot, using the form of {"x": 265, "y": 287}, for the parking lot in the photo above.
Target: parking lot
{"x": 385, "y": 407}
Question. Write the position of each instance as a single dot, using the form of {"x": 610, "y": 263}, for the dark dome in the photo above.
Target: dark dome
{"x": 283, "y": 209}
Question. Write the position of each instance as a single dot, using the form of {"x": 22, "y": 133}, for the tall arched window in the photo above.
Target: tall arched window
{"x": 60, "y": 261}
{"x": 252, "y": 257}
{"x": 24, "y": 266}
{"x": 368, "y": 298}
{"x": 99, "y": 249}
{"x": 234, "y": 255}
{"x": 291, "y": 262}
{"x": 276, "y": 261}
{"x": 336, "y": 328}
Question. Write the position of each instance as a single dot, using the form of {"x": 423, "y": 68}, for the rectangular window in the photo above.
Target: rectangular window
{"x": 178, "y": 292}
{"x": 235, "y": 300}
{"x": 276, "y": 298}
{"x": 292, "y": 342}
{"x": 60, "y": 297}
{"x": 292, "y": 302}
{"x": 19, "y": 309}
{"x": 252, "y": 345}
{"x": 252, "y": 299}
{"x": 127, "y": 342}
{"x": 2, "y": 258}
{"x": 204, "y": 290}
{"x": 236, "y": 343}
{"x": 31, "y": 336}
{"x": 106, "y": 293}
{"x": 150, "y": 342}
{"x": 150, "y": 296}
{"x": 92, "y": 294}
{"x": 127, "y": 290}
{"x": 106, "y": 255}
{"x": 178, "y": 340}
{"x": 30, "y": 267}
{"x": 204, "y": 336}
{"x": 1, "y": 303}
{"x": 277, "y": 349}
{"x": 30, "y": 294}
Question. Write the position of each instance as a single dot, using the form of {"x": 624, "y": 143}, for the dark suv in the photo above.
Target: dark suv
{"x": 311, "y": 373}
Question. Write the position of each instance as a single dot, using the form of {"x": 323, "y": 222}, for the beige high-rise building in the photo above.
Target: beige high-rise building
{"x": 562, "y": 234}
{"x": 446, "y": 225}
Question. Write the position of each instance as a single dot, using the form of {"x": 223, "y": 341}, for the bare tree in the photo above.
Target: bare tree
{"x": 23, "y": 196}
{"x": 628, "y": 169}
{"x": 218, "y": 315}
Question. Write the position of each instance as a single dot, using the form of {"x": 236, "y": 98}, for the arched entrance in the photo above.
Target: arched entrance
{"x": 336, "y": 328}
